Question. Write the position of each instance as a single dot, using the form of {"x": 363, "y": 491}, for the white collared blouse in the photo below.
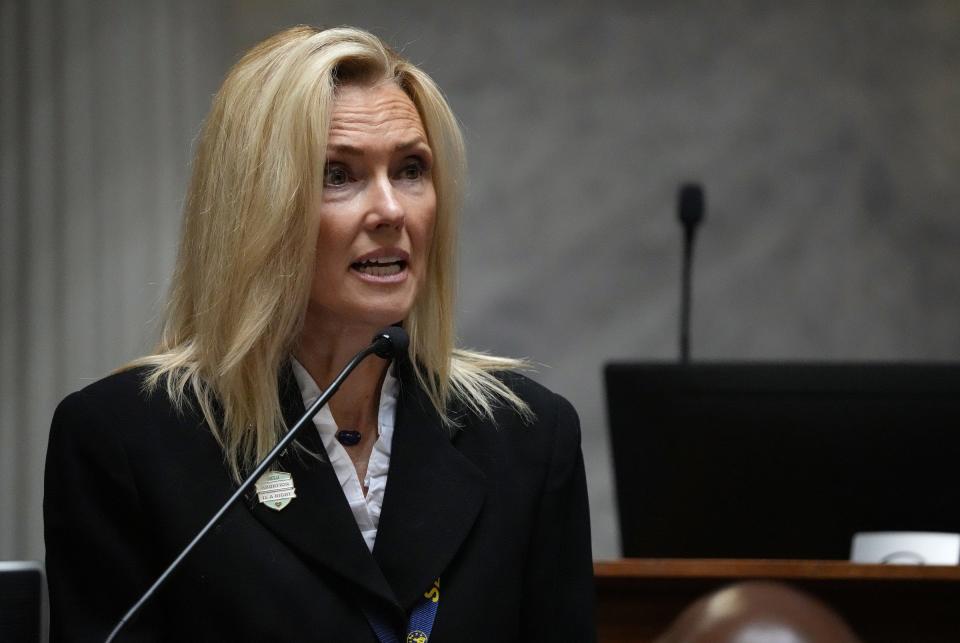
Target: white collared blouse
{"x": 366, "y": 509}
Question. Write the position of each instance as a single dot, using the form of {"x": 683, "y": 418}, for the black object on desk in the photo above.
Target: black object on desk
{"x": 781, "y": 460}
{"x": 21, "y": 602}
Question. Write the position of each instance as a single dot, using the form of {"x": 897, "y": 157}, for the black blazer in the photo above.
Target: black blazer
{"x": 498, "y": 513}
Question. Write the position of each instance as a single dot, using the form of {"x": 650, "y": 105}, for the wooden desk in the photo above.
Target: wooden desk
{"x": 638, "y": 598}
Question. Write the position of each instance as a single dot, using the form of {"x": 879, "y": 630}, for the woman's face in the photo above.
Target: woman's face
{"x": 376, "y": 213}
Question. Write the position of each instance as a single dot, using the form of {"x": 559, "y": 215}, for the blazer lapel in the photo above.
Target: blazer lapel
{"x": 318, "y": 523}
{"x": 433, "y": 496}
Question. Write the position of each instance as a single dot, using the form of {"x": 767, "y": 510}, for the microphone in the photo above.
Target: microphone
{"x": 388, "y": 342}
{"x": 691, "y": 205}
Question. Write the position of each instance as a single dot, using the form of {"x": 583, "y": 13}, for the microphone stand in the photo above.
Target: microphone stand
{"x": 685, "y": 296}
{"x": 382, "y": 346}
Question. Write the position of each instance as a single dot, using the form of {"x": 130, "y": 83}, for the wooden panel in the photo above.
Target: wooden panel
{"x": 637, "y": 599}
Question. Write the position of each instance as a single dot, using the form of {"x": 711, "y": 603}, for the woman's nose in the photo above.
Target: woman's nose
{"x": 385, "y": 209}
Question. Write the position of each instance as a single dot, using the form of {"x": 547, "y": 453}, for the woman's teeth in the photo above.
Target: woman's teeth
{"x": 382, "y": 267}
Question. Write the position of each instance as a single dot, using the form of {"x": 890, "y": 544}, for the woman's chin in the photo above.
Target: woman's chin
{"x": 372, "y": 315}
{"x": 361, "y": 303}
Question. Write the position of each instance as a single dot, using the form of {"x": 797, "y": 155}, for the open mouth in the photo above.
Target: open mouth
{"x": 380, "y": 266}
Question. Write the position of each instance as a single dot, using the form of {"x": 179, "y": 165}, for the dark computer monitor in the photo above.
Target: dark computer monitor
{"x": 21, "y": 602}
{"x": 769, "y": 460}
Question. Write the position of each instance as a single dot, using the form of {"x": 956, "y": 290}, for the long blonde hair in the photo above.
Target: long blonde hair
{"x": 245, "y": 262}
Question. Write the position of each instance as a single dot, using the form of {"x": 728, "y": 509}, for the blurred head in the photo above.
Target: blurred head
{"x": 758, "y": 612}
{"x": 278, "y": 224}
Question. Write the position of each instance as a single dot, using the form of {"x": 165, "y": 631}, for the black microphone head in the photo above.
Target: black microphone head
{"x": 691, "y": 204}
{"x": 390, "y": 342}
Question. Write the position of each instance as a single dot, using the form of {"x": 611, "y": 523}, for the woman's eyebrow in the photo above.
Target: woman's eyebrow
{"x": 416, "y": 142}
{"x": 343, "y": 148}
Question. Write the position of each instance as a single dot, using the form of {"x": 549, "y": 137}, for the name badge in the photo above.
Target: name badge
{"x": 275, "y": 489}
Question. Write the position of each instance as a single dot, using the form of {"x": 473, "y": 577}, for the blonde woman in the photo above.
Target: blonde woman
{"x": 440, "y": 496}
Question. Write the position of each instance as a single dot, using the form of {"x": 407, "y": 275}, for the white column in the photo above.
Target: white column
{"x": 99, "y": 104}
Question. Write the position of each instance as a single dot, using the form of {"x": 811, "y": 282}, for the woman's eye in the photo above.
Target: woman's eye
{"x": 335, "y": 176}
{"x": 412, "y": 170}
